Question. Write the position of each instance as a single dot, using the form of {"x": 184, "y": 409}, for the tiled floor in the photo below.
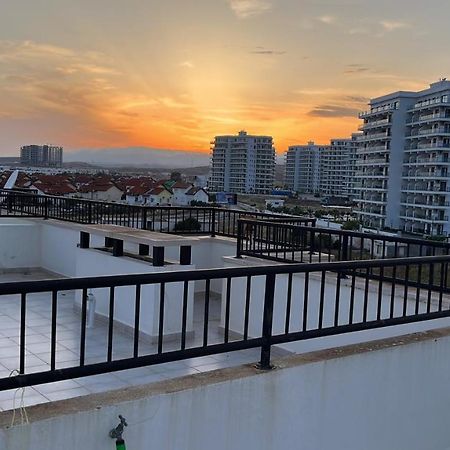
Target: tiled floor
{"x": 68, "y": 331}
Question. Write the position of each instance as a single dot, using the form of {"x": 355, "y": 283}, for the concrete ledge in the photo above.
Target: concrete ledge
{"x": 112, "y": 398}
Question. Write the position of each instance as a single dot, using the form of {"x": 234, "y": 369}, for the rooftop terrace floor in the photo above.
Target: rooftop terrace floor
{"x": 38, "y": 327}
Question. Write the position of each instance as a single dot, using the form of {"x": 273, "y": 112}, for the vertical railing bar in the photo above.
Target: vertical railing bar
{"x": 366, "y": 295}
{"x": 380, "y": 293}
{"x": 337, "y": 298}
{"x": 305, "y": 302}
{"x": 430, "y": 285}
{"x": 162, "y": 291}
{"x": 441, "y": 287}
{"x": 23, "y": 308}
{"x": 288, "y": 304}
{"x": 53, "y": 331}
{"x": 206, "y": 312}
{"x": 137, "y": 316}
{"x": 184, "y": 319}
{"x": 322, "y": 299}
{"x": 419, "y": 280}
{"x": 248, "y": 291}
{"x": 111, "y": 322}
{"x": 352, "y": 298}
{"x": 406, "y": 291}
{"x": 83, "y": 326}
{"x": 227, "y": 310}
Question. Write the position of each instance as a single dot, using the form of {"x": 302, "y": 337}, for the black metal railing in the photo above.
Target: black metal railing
{"x": 261, "y": 307}
{"x": 289, "y": 243}
{"x": 166, "y": 219}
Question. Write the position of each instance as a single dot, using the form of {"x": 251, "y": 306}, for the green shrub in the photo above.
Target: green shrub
{"x": 351, "y": 225}
{"x": 189, "y": 224}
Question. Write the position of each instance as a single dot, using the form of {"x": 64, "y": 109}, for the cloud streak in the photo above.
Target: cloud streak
{"x": 391, "y": 25}
{"x": 328, "y": 20}
{"x": 266, "y": 51}
{"x": 249, "y": 8}
{"x": 333, "y": 111}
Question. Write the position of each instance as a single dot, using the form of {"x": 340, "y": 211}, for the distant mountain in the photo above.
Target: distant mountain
{"x": 138, "y": 157}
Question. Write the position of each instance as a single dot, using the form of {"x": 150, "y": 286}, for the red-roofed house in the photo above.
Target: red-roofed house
{"x": 159, "y": 196}
{"x": 179, "y": 190}
{"x": 139, "y": 194}
{"x": 101, "y": 191}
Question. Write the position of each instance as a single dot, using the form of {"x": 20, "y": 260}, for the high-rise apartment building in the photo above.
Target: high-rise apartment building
{"x": 41, "y": 155}
{"x": 337, "y": 168}
{"x": 326, "y": 170}
{"x": 242, "y": 164}
{"x": 303, "y": 167}
{"x": 403, "y": 160}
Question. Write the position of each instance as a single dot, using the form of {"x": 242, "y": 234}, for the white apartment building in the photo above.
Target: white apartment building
{"x": 303, "y": 167}
{"x": 242, "y": 164}
{"x": 402, "y": 161}
{"x": 327, "y": 170}
{"x": 337, "y": 168}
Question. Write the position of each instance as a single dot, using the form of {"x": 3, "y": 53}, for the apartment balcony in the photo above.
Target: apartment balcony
{"x": 375, "y": 124}
{"x": 421, "y": 175}
{"x": 376, "y": 137}
{"x": 428, "y": 104}
{"x": 418, "y": 134}
{"x": 425, "y": 219}
{"x": 440, "y": 160}
{"x": 215, "y": 333}
{"x": 372, "y": 162}
{"x": 369, "y": 213}
{"x": 427, "y": 206}
{"x": 370, "y": 201}
{"x": 379, "y": 111}
{"x": 372, "y": 150}
{"x": 415, "y": 147}
{"x": 425, "y": 190}
{"x": 429, "y": 118}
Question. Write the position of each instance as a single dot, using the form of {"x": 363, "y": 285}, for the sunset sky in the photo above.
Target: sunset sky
{"x": 171, "y": 74}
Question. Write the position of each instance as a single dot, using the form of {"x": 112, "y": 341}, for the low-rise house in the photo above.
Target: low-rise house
{"x": 180, "y": 189}
{"x": 60, "y": 190}
{"x": 160, "y": 196}
{"x": 140, "y": 194}
{"x": 101, "y": 191}
{"x": 196, "y": 194}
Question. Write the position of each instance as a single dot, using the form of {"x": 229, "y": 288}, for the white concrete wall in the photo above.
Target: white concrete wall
{"x": 20, "y": 244}
{"x": 391, "y": 399}
{"x": 91, "y": 263}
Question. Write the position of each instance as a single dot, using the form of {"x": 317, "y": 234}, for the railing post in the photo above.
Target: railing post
{"x": 90, "y": 212}
{"x": 344, "y": 252}
{"x": 213, "y": 222}
{"x": 239, "y": 240}
{"x": 267, "y": 323}
{"x": 144, "y": 218}
{"x": 312, "y": 244}
{"x": 45, "y": 207}
{"x": 9, "y": 202}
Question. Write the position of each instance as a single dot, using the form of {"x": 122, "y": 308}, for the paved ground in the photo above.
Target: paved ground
{"x": 68, "y": 331}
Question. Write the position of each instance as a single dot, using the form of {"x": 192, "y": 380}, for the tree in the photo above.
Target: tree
{"x": 175, "y": 176}
{"x": 189, "y": 224}
{"x": 351, "y": 225}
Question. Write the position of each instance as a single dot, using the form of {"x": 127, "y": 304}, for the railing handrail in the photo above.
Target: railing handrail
{"x": 399, "y": 239}
{"x": 67, "y": 284}
{"x": 149, "y": 207}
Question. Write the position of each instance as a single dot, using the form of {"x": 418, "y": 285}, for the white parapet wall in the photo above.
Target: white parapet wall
{"x": 20, "y": 244}
{"x": 391, "y": 395}
{"x": 93, "y": 263}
